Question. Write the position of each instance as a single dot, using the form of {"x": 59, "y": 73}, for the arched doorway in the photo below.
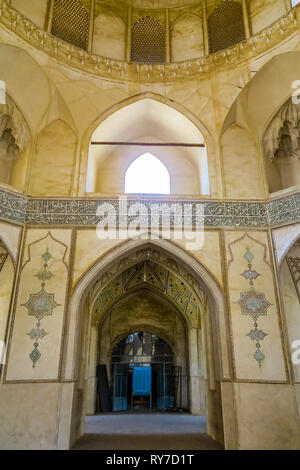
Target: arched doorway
{"x": 137, "y": 350}
{"x": 289, "y": 277}
{"x": 206, "y": 347}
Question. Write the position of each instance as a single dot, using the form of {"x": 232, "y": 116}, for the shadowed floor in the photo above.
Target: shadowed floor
{"x": 145, "y": 431}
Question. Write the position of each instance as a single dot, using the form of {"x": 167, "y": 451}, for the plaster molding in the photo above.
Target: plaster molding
{"x": 71, "y": 56}
{"x": 83, "y": 211}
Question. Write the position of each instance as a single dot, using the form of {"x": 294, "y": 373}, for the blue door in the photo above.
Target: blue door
{"x": 119, "y": 392}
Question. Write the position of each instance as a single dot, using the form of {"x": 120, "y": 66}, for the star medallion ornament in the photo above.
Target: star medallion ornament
{"x": 40, "y": 305}
{"x": 254, "y": 304}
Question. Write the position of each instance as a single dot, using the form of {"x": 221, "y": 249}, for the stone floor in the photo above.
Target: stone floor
{"x": 145, "y": 431}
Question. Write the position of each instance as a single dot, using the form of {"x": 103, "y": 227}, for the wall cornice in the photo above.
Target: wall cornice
{"x": 83, "y": 212}
{"x": 71, "y": 56}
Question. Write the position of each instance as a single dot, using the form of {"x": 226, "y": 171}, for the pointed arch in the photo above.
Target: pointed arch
{"x": 190, "y": 263}
{"x": 202, "y": 171}
{"x": 147, "y": 174}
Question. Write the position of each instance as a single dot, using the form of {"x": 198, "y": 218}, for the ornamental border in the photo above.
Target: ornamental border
{"x": 82, "y": 212}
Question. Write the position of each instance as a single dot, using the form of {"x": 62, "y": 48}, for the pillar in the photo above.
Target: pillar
{"x": 168, "y": 45}
{"x": 194, "y": 373}
{"x": 288, "y": 5}
{"x": 91, "y": 25}
{"x": 128, "y": 42}
{"x": 50, "y": 16}
{"x": 246, "y": 19}
{"x": 205, "y": 28}
{"x": 91, "y": 385}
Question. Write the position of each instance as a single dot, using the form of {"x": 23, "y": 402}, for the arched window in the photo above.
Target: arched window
{"x": 147, "y": 175}
{"x": 148, "y": 41}
{"x": 71, "y": 22}
{"x": 226, "y": 26}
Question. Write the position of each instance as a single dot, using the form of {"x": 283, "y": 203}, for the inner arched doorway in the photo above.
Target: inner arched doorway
{"x": 162, "y": 271}
{"x": 143, "y": 349}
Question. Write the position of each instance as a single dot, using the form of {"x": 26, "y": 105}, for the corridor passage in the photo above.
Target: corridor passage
{"x": 145, "y": 431}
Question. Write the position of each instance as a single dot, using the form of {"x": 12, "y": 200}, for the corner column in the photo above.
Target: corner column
{"x": 246, "y": 19}
{"x": 205, "y": 28}
{"x": 50, "y": 16}
{"x": 128, "y": 42}
{"x": 168, "y": 45}
{"x": 91, "y": 25}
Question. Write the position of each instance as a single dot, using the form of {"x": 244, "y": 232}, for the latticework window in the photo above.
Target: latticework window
{"x": 226, "y": 26}
{"x": 148, "y": 41}
{"x": 71, "y": 22}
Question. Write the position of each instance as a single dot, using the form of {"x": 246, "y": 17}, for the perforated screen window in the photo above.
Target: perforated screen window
{"x": 71, "y": 22}
{"x": 148, "y": 41}
{"x": 226, "y": 26}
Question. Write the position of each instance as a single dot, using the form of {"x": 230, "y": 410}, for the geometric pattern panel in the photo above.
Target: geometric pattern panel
{"x": 158, "y": 278}
{"x": 294, "y": 267}
{"x": 148, "y": 41}
{"x": 226, "y": 26}
{"x": 71, "y": 22}
{"x": 3, "y": 254}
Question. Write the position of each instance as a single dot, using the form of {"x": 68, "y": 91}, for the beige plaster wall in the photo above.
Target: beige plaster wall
{"x": 52, "y": 167}
{"x": 187, "y": 38}
{"x": 273, "y": 367}
{"x": 20, "y": 367}
{"x": 265, "y": 13}
{"x": 241, "y": 164}
{"x": 283, "y": 239}
{"x": 33, "y": 9}
{"x": 10, "y": 234}
{"x": 35, "y": 426}
{"x": 109, "y": 38}
{"x": 267, "y": 417}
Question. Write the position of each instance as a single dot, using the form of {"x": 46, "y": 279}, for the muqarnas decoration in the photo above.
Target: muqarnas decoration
{"x": 40, "y": 305}
{"x": 254, "y": 304}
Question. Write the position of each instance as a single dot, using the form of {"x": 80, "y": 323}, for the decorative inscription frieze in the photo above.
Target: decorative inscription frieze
{"x": 83, "y": 212}
{"x": 13, "y": 207}
{"x": 284, "y": 210}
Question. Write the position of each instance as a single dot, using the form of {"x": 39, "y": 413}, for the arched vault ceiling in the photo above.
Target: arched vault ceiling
{"x": 152, "y": 276}
{"x": 136, "y": 120}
